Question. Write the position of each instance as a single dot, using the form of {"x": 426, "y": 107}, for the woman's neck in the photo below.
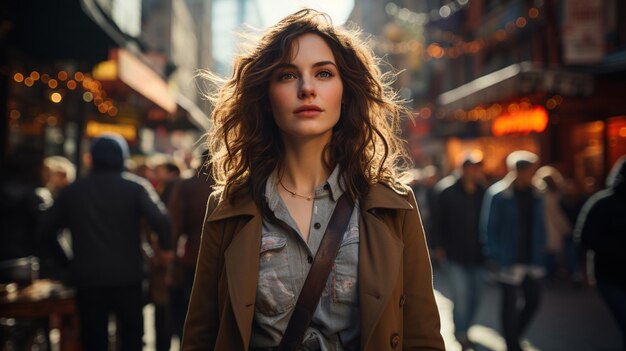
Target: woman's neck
{"x": 303, "y": 167}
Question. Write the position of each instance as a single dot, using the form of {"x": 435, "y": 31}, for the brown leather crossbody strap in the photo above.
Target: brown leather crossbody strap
{"x": 318, "y": 275}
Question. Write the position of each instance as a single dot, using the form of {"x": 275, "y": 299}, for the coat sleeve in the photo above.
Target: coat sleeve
{"x": 201, "y": 324}
{"x": 421, "y": 317}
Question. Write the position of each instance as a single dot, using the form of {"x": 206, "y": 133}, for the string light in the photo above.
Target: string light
{"x": 488, "y": 113}
{"x": 93, "y": 90}
{"x": 56, "y": 97}
{"x": 405, "y": 15}
{"x": 452, "y": 44}
{"x": 18, "y": 77}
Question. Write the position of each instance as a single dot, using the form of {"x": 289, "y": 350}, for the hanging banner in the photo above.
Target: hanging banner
{"x": 583, "y": 31}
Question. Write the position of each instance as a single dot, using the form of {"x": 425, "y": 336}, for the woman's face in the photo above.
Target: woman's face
{"x": 305, "y": 94}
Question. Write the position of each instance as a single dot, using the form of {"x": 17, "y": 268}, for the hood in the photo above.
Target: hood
{"x": 108, "y": 152}
{"x": 617, "y": 177}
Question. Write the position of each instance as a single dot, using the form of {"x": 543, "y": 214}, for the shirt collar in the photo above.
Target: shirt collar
{"x": 379, "y": 196}
{"x": 331, "y": 186}
{"x": 336, "y": 187}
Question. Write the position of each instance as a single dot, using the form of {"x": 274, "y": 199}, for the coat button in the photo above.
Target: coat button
{"x": 310, "y": 259}
{"x": 402, "y": 300}
{"x": 395, "y": 340}
{"x": 317, "y": 225}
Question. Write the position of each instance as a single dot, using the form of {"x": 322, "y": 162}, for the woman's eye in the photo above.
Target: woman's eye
{"x": 325, "y": 74}
{"x": 286, "y": 76}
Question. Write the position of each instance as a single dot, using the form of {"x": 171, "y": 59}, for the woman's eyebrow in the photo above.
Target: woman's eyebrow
{"x": 317, "y": 64}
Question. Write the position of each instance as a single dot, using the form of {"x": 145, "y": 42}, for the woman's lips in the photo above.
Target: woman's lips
{"x": 308, "y": 111}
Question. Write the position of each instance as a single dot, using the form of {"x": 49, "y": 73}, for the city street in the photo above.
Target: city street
{"x": 572, "y": 319}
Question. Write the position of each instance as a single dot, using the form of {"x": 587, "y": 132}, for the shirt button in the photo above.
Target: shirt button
{"x": 310, "y": 259}
{"x": 402, "y": 300}
{"x": 395, "y": 340}
{"x": 317, "y": 225}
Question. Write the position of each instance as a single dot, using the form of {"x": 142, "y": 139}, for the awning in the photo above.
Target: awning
{"x": 515, "y": 81}
{"x": 124, "y": 67}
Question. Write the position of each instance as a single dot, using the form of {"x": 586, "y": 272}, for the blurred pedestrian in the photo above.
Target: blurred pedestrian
{"x": 601, "y": 227}
{"x": 458, "y": 247}
{"x": 103, "y": 212}
{"x": 187, "y": 207}
{"x": 307, "y": 125}
{"x": 167, "y": 175}
{"x": 145, "y": 170}
{"x": 513, "y": 225}
{"x": 59, "y": 173}
{"x": 550, "y": 181}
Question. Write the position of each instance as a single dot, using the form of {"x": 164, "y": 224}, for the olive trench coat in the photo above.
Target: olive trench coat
{"x": 397, "y": 304}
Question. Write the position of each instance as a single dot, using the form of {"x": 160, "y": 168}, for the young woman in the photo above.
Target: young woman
{"x": 305, "y": 118}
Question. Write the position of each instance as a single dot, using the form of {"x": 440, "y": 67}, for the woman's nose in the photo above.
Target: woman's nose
{"x": 307, "y": 88}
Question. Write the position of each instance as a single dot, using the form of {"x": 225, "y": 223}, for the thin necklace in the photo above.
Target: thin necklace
{"x": 293, "y": 193}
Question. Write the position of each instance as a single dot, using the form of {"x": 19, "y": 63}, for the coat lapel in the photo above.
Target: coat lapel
{"x": 242, "y": 263}
{"x": 380, "y": 256}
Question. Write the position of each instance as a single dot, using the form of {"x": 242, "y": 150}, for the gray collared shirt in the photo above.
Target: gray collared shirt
{"x": 284, "y": 264}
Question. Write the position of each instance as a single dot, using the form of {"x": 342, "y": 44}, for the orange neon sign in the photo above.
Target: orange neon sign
{"x": 521, "y": 121}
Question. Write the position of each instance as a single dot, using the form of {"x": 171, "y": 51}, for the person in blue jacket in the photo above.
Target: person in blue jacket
{"x": 513, "y": 228}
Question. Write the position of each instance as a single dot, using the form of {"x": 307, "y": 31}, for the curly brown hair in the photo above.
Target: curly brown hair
{"x": 245, "y": 143}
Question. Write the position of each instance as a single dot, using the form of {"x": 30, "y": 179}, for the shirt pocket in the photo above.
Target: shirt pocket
{"x": 274, "y": 292}
{"x": 345, "y": 270}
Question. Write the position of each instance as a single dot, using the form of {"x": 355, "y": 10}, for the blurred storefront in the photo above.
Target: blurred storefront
{"x": 542, "y": 76}
{"x": 75, "y": 71}
{"x": 572, "y": 120}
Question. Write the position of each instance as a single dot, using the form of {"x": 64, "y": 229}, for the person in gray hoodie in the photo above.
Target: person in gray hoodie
{"x": 104, "y": 213}
{"x": 601, "y": 227}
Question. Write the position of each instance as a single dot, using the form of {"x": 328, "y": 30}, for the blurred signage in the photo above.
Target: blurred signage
{"x": 94, "y": 129}
{"x": 583, "y": 31}
{"x": 140, "y": 77}
{"x": 521, "y": 122}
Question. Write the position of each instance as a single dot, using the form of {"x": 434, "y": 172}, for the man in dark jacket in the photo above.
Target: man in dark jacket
{"x": 103, "y": 212}
{"x": 457, "y": 242}
{"x": 601, "y": 227}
